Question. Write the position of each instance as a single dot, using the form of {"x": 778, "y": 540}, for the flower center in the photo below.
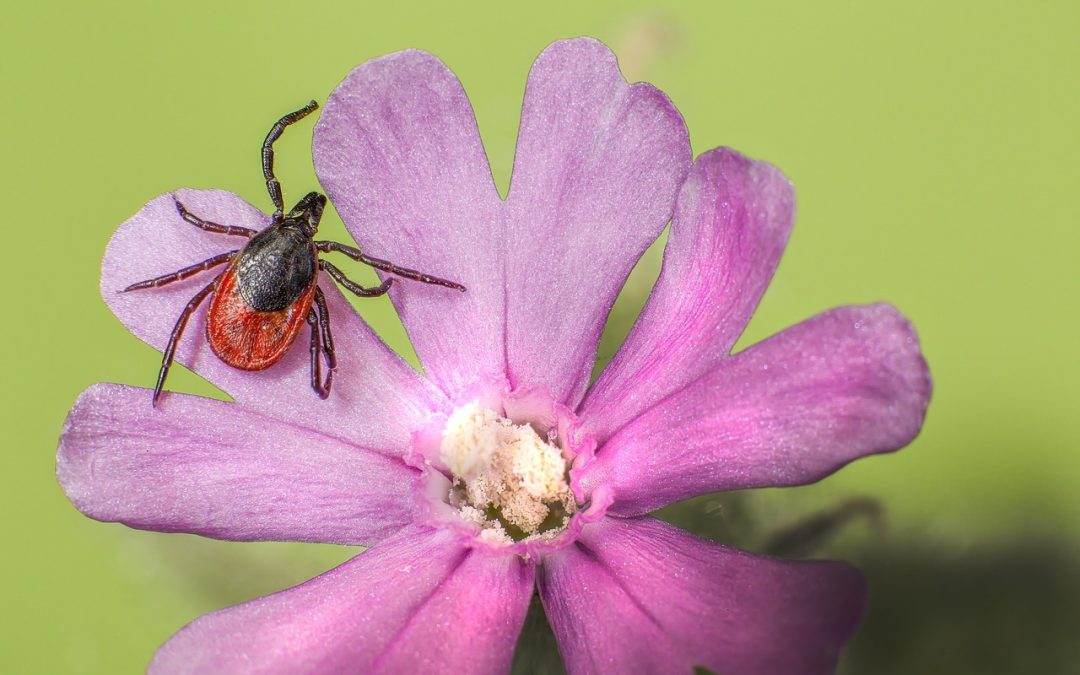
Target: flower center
{"x": 506, "y": 477}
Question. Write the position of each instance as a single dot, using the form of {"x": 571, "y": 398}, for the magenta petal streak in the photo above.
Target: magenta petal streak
{"x": 597, "y": 167}
{"x": 419, "y": 603}
{"x": 642, "y": 596}
{"x": 223, "y": 471}
{"x": 847, "y": 383}
{"x": 399, "y": 154}
{"x": 731, "y": 223}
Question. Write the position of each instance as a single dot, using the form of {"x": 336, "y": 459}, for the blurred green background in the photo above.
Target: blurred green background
{"x": 934, "y": 150}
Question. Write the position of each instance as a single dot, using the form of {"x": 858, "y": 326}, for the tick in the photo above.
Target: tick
{"x": 269, "y": 289}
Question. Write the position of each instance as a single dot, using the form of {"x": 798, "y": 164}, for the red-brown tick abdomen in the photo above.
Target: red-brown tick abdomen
{"x": 246, "y": 338}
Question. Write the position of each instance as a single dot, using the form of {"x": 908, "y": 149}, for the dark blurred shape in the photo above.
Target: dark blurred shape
{"x": 993, "y": 608}
{"x": 537, "y": 652}
{"x": 952, "y": 607}
{"x": 727, "y": 518}
{"x": 810, "y": 535}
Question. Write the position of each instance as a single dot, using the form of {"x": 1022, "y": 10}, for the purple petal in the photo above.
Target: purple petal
{"x": 416, "y": 603}
{"x": 732, "y": 221}
{"x": 637, "y": 596}
{"x": 217, "y": 469}
{"x": 597, "y": 168}
{"x": 793, "y": 409}
{"x": 371, "y": 379}
{"x": 596, "y": 171}
{"x": 399, "y": 154}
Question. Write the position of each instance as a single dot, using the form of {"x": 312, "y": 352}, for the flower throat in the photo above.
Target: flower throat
{"x": 506, "y": 477}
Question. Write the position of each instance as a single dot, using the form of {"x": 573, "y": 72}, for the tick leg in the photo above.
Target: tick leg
{"x": 321, "y": 339}
{"x": 321, "y": 388}
{"x": 324, "y": 323}
{"x": 177, "y": 331}
{"x": 212, "y": 227}
{"x": 350, "y": 285}
{"x": 385, "y": 265}
{"x": 180, "y": 275}
{"x": 272, "y": 184}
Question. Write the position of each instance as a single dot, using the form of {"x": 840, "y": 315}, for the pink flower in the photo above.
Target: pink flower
{"x": 503, "y": 469}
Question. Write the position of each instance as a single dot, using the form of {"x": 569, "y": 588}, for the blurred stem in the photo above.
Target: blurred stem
{"x": 537, "y": 653}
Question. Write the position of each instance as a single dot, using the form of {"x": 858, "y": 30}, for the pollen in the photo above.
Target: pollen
{"x": 506, "y": 477}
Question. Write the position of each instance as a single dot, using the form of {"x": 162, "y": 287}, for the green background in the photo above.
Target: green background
{"x": 934, "y": 149}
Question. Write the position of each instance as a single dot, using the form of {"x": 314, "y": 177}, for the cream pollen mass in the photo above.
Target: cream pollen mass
{"x": 506, "y": 477}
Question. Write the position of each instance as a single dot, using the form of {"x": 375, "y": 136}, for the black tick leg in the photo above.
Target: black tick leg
{"x": 385, "y": 265}
{"x": 209, "y": 226}
{"x": 182, "y": 274}
{"x": 352, "y": 286}
{"x": 324, "y": 323}
{"x": 272, "y": 184}
{"x": 321, "y": 388}
{"x": 178, "y": 330}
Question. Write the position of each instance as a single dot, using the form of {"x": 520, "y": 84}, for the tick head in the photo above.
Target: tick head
{"x": 307, "y": 213}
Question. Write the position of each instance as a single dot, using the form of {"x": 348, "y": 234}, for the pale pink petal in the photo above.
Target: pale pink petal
{"x": 417, "y": 603}
{"x": 791, "y": 410}
{"x": 376, "y": 399}
{"x": 731, "y": 223}
{"x": 398, "y": 152}
{"x": 641, "y": 596}
{"x": 597, "y": 167}
{"x": 220, "y": 470}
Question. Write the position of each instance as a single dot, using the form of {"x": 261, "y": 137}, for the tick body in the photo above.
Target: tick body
{"x": 269, "y": 288}
{"x": 263, "y": 298}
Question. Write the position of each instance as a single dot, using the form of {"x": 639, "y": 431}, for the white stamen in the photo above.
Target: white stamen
{"x": 470, "y": 438}
{"x": 498, "y": 465}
